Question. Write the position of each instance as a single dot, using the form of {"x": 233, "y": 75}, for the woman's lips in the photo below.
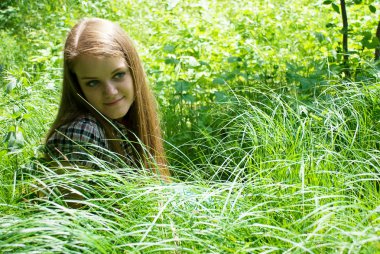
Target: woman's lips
{"x": 113, "y": 102}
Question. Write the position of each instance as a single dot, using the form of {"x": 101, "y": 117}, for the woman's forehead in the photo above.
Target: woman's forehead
{"x": 94, "y": 66}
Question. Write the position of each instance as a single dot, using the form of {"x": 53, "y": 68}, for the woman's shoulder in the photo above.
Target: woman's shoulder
{"x": 84, "y": 128}
{"x": 78, "y": 141}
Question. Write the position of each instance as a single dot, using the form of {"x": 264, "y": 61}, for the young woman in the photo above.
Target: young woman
{"x": 106, "y": 104}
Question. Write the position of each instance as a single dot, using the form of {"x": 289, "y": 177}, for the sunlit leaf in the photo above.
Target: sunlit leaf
{"x": 169, "y": 48}
{"x": 172, "y": 4}
{"x": 50, "y": 86}
{"x": 335, "y": 8}
{"x": 11, "y": 84}
{"x": 243, "y": 78}
{"x": 193, "y": 62}
{"x": 15, "y": 140}
{"x": 372, "y": 8}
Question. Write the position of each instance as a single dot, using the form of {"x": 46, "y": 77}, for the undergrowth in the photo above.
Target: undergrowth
{"x": 277, "y": 175}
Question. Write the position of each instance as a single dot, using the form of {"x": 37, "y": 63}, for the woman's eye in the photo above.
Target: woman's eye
{"x": 92, "y": 83}
{"x": 119, "y": 75}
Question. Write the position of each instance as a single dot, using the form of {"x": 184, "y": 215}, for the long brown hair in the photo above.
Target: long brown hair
{"x": 101, "y": 37}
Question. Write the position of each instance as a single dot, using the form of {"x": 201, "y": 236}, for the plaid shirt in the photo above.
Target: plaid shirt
{"x": 83, "y": 142}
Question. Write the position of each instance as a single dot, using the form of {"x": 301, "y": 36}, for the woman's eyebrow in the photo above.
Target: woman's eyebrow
{"x": 113, "y": 72}
{"x": 118, "y": 69}
{"x": 88, "y": 78}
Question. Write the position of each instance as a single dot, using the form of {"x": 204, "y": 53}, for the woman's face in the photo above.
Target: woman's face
{"x": 106, "y": 83}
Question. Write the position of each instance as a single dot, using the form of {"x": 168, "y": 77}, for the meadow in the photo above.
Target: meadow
{"x": 273, "y": 148}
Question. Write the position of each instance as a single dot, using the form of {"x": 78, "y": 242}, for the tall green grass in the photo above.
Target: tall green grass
{"x": 278, "y": 175}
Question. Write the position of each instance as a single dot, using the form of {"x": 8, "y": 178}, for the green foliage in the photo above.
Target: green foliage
{"x": 271, "y": 148}
{"x": 361, "y": 36}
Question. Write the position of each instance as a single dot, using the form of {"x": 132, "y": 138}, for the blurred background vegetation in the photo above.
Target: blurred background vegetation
{"x": 196, "y": 54}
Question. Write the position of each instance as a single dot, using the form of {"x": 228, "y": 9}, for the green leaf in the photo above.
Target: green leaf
{"x": 220, "y": 97}
{"x": 181, "y": 86}
{"x": 306, "y": 83}
{"x": 15, "y": 140}
{"x": 358, "y": 1}
{"x": 27, "y": 116}
{"x": 372, "y": 8}
{"x": 169, "y": 48}
{"x": 171, "y": 4}
{"x": 189, "y": 98}
{"x": 171, "y": 60}
{"x": 336, "y": 8}
{"x": 327, "y": 2}
{"x": 218, "y": 81}
{"x": 7, "y": 137}
{"x": 11, "y": 85}
{"x": 193, "y": 62}
{"x": 330, "y": 25}
{"x": 366, "y": 35}
{"x": 374, "y": 43}
{"x": 20, "y": 141}
{"x": 205, "y": 64}
{"x": 234, "y": 59}
{"x": 320, "y": 37}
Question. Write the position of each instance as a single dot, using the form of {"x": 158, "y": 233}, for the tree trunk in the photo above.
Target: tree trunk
{"x": 377, "y": 50}
{"x": 345, "y": 38}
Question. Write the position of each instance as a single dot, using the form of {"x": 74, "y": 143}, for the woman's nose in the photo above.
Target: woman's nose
{"x": 110, "y": 88}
